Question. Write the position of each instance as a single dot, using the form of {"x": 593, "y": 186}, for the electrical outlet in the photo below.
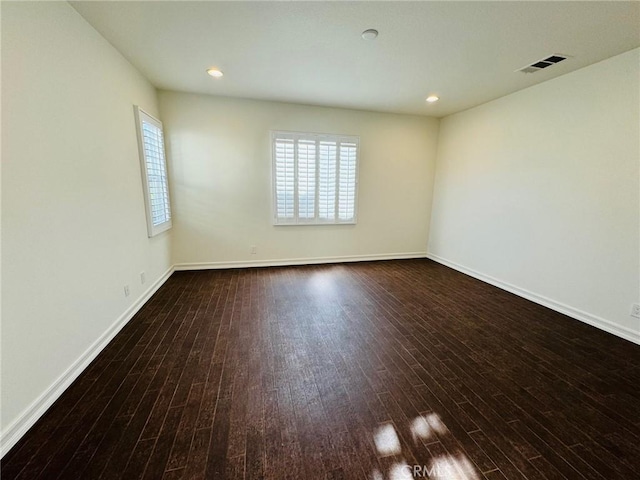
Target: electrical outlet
{"x": 143, "y": 277}
{"x": 635, "y": 310}
{"x": 254, "y": 249}
{"x": 126, "y": 290}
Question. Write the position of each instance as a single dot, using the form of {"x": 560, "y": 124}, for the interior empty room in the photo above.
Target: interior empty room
{"x": 320, "y": 240}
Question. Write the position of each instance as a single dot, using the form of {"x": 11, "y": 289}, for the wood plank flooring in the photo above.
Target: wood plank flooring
{"x": 383, "y": 370}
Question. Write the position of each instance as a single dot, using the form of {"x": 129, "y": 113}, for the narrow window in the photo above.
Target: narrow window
{"x": 154, "y": 172}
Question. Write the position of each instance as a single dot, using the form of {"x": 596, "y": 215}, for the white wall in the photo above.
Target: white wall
{"x": 73, "y": 221}
{"x": 220, "y": 156}
{"x": 540, "y": 190}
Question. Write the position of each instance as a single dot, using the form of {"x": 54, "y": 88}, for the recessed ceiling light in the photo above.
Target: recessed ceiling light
{"x": 432, "y": 98}
{"x": 370, "y": 34}
{"x": 215, "y": 72}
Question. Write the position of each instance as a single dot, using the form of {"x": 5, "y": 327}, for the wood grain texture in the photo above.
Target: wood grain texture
{"x": 379, "y": 370}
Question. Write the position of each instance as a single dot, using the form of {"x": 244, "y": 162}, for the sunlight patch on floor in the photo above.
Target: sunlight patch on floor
{"x": 424, "y": 429}
{"x": 420, "y": 429}
{"x": 386, "y": 440}
{"x": 449, "y": 467}
{"x": 400, "y": 471}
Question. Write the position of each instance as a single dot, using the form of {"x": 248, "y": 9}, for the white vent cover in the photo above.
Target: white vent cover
{"x": 544, "y": 63}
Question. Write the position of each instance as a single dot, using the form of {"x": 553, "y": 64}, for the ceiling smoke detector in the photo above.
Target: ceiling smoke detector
{"x": 370, "y": 34}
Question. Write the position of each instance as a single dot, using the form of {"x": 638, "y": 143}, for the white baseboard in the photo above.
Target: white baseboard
{"x": 598, "y": 322}
{"x": 10, "y": 436}
{"x": 297, "y": 261}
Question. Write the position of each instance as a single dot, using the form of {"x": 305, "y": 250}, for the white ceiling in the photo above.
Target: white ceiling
{"x": 312, "y": 52}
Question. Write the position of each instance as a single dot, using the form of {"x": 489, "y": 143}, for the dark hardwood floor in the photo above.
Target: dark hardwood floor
{"x": 384, "y": 370}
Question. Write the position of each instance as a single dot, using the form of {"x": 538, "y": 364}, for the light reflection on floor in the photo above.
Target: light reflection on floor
{"x": 386, "y": 440}
{"x": 322, "y": 284}
{"x": 424, "y": 429}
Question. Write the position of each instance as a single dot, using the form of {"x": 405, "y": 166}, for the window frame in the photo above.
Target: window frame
{"x": 140, "y": 116}
{"x": 318, "y": 137}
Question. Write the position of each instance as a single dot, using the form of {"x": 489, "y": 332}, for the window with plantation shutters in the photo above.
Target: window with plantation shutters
{"x": 314, "y": 178}
{"x": 154, "y": 172}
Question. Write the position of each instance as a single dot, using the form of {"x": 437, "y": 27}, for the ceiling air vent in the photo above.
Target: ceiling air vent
{"x": 544, "y": 63}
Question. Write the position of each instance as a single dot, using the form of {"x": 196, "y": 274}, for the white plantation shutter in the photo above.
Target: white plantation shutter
{"x": 315, "y": 178}
{"x": 347, "y": 180}
{"x": 306, "y": 179}
{"x": 285, "y": 168}
{"x": 154, "y": 172}
{"x": 327, "y": 162}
